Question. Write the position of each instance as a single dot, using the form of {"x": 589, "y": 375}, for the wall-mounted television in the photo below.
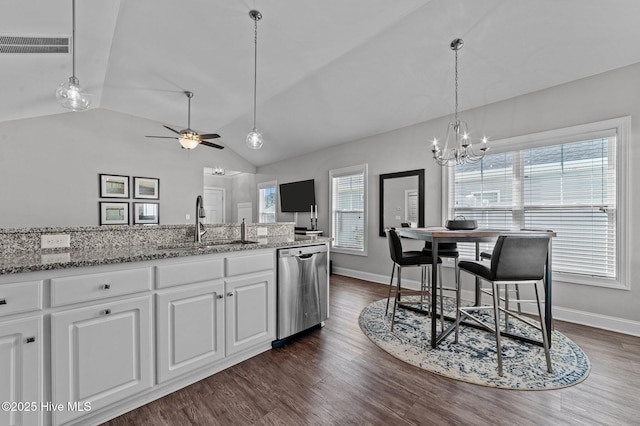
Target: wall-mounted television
{"x": 297, "y": 196}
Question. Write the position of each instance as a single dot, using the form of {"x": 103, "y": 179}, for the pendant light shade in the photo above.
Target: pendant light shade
{"x": 254, "y": 138}
{"x": 70, "y": 94}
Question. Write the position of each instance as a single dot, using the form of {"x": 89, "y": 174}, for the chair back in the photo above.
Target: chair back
{"x": 519, "y": 257}
{"x": 395, "y": 246}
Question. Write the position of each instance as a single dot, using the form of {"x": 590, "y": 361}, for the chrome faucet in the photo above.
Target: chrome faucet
{"x": 200, "y": 231}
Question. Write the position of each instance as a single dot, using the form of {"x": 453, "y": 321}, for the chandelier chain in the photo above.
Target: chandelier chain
{"x": 456, "y": 74}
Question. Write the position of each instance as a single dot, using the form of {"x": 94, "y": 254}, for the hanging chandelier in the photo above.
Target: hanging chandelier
{"x": 254, "y": 138}
{"x": 70, "y": 94}
{"x": 458, "y": 148}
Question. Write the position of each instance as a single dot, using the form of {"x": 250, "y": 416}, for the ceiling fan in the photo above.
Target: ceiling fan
{"x": 188, "y": 138}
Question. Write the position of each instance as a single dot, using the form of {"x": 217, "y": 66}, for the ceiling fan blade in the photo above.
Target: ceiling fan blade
{"x": 173, "y": 130}
{"x": 209, "y": 136}
{"x": 162, "y": 137}
{"x": 212, "y": 145}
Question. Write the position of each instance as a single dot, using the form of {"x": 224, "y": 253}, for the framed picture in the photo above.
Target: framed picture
{"x": 146, "y": 213}
{"x": 146, "y": 188}
{"x": 114, "y": 186}
{"x": 114, "y": 213}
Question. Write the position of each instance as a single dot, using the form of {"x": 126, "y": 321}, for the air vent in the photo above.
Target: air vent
{"x": 39, "y": 44}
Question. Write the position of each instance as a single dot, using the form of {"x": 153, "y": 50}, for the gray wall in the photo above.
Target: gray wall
{"x": 608, "y": 95}
{"x": 49, "y": 167}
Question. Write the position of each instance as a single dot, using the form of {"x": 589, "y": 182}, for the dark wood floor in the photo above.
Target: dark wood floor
{"x": 336, "y": 376}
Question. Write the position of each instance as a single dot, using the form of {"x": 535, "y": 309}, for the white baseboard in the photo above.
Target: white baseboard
{"x": 619, "y": 325}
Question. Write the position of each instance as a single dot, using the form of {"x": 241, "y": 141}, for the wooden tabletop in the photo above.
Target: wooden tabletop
{"x": 441, "y": 232}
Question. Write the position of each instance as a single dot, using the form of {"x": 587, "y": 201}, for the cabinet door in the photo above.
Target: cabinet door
{"x": 250, "y": 311}
{"x": 190, "y": 328}
{"x": 21, "y": 370}
{"x": 100, "y": 354}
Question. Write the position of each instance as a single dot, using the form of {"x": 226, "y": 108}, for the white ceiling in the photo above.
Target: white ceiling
{"x": 329, "y": 71}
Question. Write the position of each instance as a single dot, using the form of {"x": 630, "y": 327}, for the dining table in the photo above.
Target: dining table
{"x": 437, "y": 235}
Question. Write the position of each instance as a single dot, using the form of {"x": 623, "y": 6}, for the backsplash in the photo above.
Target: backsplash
{"x": 21, "y": 240}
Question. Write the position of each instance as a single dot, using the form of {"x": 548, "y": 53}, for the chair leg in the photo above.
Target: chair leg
{"x": 545, "y": 341}
{"x": 496, "y": 317}
{"x": 506, "y": 307}
{"x": 457, "y": 304}
{"x": 518, "y": 298}
{"x": 423, "y": 274}
{"x": 395, "y": 300}
{"x": 386, "y": 311}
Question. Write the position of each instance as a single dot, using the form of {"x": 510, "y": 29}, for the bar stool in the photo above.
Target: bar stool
{"x": 516, "y": 259}
{"x": 485, "y": 255}
{"x": 403, "y": 259}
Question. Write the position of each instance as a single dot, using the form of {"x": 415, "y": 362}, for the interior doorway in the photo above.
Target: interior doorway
{"x": 213, "y": 200}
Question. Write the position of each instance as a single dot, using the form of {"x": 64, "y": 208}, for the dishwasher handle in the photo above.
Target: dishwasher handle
{"x": 304, "y": 256}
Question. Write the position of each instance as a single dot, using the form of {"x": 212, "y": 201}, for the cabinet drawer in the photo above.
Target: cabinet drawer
{"x": 188, "y": 272}
{"x": 83, "y": 288}
{"x": 20, "y": 297}
{"x": 251, "y": 263}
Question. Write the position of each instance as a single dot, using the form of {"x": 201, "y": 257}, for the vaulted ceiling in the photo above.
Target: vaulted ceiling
{"x": 329, "y": 71}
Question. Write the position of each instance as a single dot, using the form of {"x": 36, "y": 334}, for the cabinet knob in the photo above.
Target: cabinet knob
{"x": 219, "y": 296}
{"x": 3, "y": 301}
{"x": 30, "y": 340}
{"x": 106, "y": 286}
{"x": 106, "y": 312}
{"x": 230, "y": 294}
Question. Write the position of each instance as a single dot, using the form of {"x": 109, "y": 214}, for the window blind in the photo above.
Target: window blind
{"x": 569, "y": 188}
{"x": 348, "y": 209}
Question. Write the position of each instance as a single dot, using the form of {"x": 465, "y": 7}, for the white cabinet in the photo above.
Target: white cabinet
{"x": 21, "y": 371}
{"x": 190, "y": 328}
{"x": 250, "y": 311}
{"x": 203, "y": 323}
{"x": 101, "y": 354}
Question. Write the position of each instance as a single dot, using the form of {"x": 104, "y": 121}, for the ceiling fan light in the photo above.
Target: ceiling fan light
{"x": 188, "y": 143}
{"x": 254, "y": 139}
{"x": 72, "y": 96}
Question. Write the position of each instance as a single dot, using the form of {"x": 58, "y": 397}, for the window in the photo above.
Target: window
{"x": 571, "y": 181}
{"x": 267, "y": 196}
{"x": 348, "y": 196}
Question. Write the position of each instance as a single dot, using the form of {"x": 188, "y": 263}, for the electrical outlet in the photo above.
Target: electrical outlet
{"x": 55, "y": 241}
{"x": 55, "y": 258}
{"x": 187, "y": 217}
{"x": 262, "y": 232}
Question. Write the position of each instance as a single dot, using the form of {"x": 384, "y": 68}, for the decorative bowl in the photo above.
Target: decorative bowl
{"x": 461, "y": 224}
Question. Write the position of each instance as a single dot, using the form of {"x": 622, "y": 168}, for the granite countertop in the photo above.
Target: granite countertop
{"x": 42, "y": 260}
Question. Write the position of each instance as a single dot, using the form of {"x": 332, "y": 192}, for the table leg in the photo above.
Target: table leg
{"x": 434, "y": 290}
{"x": 478, "y": 297}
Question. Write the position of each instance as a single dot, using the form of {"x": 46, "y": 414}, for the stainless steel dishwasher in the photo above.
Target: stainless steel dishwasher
{"x": 303, "y": 289}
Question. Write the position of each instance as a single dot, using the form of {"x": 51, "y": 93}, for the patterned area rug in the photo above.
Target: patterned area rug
{"x": 473, "y": 358}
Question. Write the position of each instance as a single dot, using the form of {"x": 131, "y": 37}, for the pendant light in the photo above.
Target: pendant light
{"x": 457, "y": 145}
{"x": 254, "y": 138}
{"x": 70, "y": 94}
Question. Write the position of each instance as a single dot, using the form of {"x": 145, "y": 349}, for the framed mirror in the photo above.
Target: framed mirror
{"x": 401, "y": 199}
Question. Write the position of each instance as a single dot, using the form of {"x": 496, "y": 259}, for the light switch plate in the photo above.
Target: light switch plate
{"x": 262, "y": 232}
